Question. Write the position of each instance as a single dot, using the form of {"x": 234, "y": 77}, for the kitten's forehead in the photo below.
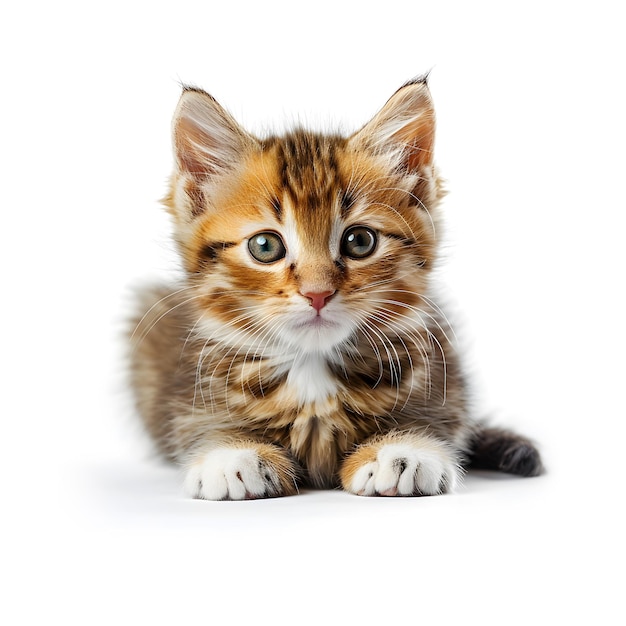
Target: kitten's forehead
{"x": 309, "y": 173}
{"x": 309, "y": 166}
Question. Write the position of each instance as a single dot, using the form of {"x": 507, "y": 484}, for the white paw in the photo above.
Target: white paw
{"x": 404, "y": 469}
{"x": 231, "y": 474}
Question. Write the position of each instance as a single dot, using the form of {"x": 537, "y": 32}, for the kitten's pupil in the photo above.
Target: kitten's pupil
{"x": 266, "y": 247}
{"x": 358, "y": 242}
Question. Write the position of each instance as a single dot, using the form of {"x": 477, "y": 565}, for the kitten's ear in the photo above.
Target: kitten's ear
{"x": 404, "y": 127}
{"x": 207, "y": 140}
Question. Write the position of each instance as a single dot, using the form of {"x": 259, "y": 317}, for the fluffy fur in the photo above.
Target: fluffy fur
{"x": 304, "y": 345}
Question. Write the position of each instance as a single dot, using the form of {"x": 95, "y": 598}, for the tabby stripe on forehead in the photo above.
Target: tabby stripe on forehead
{"x": 278, "y": 209}
{"x": 347, "y": 201}
{"x": 210, "y": 250}
{"x": 308, "y": 169}
{"x": 407, "y": 241}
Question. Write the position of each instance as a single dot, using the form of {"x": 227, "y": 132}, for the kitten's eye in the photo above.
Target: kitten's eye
{"x": 358, "y": 242}
{"x": 266, "y": 247}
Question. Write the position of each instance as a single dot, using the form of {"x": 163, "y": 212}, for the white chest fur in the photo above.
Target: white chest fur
{"x": 310, "y": 380}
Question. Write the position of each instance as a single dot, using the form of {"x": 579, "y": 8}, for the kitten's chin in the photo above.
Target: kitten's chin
{"x": 317, "y": 333}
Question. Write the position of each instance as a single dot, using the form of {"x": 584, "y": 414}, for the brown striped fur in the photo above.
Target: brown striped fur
{"x": 234, "y": 357}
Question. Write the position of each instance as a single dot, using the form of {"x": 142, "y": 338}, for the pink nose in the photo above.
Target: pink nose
{"x": 318, "y": 300}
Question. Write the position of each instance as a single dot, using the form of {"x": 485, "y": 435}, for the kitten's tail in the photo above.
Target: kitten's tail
{"x": 505, "y": 451}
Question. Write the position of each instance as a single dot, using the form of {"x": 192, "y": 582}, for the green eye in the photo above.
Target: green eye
{"x": 266, "y": 247}
{"x": 358, "y": 242}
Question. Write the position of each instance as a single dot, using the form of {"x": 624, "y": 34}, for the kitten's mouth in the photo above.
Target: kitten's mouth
{"x": 315, "y": 333}
{"x": 316, "y": 321}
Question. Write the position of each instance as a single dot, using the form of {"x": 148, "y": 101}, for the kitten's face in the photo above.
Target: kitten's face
{"x": 303, "y": 240}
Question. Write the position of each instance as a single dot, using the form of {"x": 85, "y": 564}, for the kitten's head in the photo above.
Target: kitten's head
{"x": 305, "y": 239}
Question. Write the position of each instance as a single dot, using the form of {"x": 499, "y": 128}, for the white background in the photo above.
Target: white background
{"x": 531, "y": 138}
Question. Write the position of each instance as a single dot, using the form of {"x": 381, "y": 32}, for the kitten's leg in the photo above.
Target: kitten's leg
{"x": 401, "y": 464}
{"x": 239, "y": 470}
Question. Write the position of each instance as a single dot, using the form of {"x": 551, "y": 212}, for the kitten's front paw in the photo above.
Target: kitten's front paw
{"x": 411, "y": 467}
{"x": 240, "y": 473}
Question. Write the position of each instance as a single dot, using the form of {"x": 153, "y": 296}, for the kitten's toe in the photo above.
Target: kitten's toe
{"x": 407, "y": 470}
{"x": 402, "y": 468}
{"x": 363, "y": 481}
{"x": 238, "y": 474}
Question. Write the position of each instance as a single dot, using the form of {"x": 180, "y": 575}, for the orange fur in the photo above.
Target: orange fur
{"x": 235, "y": 356}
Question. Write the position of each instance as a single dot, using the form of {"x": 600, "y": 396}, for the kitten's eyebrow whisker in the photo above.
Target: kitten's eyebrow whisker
{"x": 412, "y": 234}
{"x": 419, "y": 201}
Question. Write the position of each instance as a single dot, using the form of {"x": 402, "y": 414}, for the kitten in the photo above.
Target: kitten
{"x": 304, "y": 345}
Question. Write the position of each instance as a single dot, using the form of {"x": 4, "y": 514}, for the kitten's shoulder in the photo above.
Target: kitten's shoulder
{"x": 161, "y": 313}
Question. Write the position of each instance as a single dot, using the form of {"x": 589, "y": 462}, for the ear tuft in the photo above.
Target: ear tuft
{"x": 421, "y": 79}
{"x": 207, "y": 140}
{"x": 404, "y": 127}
